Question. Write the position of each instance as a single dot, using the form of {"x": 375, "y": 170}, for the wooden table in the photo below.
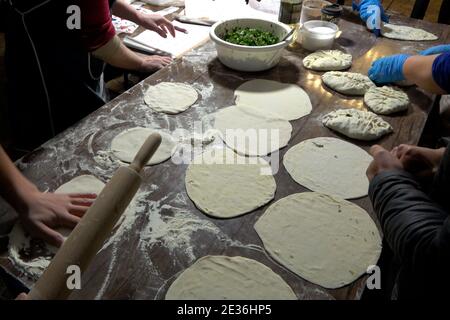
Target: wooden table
{"x": 142, "y": 262}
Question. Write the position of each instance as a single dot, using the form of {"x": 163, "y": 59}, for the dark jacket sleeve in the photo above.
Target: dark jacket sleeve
{"x": 416, "y": 228}
{"x": 440, "y": 189}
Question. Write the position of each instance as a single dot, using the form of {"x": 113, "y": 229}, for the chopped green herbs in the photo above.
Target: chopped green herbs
{"x": 250, "y": 37}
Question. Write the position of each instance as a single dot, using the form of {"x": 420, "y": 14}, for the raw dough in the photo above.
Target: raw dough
{"x": 329, "y": 165}
{"x": 386, "y": 100}
{"x": 284, "y": 100}
{"x": 171, "y": 98}
{"x": 349, "y": 83}
{"x": 328, "y": 60}
{"x": 394, "y": 31}
{"x": 229, "y": 278}
{"x": 33, "y": 256}
{"x": 249, "y": 131}
{"x": 127, "y": 143}
{"x": 224, "y": 185}
{"x": 357, "y": 124}
{"x": 324, "y": 239}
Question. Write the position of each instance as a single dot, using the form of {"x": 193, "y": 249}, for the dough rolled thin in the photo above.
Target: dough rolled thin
{"x": 283, "y": 100}
{"x": 229, "y": 278}
{"x": 330, "y": 166}
{"x": 169, "y": 97}
{"x": 223, "y": 184}
{"x": 349, "y": 83}
{"x": 328, "y": 60}
{"x": 398, "y": 32}
{"x": 357, "y": 124}
{"x": 323, "y": 239}
{"x": 386, "y": 100}
{"x": 249, "y": 131}
{"x": 127, "y": 143}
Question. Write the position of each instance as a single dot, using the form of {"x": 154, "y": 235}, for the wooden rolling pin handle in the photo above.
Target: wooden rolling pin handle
{"x": 147, "y": 150}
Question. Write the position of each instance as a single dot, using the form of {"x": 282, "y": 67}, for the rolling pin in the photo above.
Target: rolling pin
{"x": 95, "y": 226}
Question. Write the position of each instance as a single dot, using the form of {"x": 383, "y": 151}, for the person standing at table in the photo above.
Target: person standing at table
{"x": 54, "y": 65}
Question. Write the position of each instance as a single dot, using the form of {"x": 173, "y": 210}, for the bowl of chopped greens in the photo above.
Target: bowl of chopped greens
{"x": 249, "y": 44}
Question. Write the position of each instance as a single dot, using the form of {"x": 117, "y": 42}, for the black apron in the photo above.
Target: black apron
{"x": 53, "y": 82}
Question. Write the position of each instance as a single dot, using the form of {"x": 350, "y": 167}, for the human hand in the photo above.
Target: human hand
{"x": 372, "y": 13}
{"x": 388, "y": 69}
{"x": 44, "y": 212}
{"x": 419, "y": 161}
{"x": 154, "y": 63}
{"x": 159, "y": 24}
{"x": 435, "y": 50}
{"x": 383, "y": 160}
{"x": 22, "y": 296}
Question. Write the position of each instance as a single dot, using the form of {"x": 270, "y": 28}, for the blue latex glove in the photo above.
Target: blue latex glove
{"x": 372, "y": 13}
{"x": 435, "y": 50}
{"x": 388, "y": 69}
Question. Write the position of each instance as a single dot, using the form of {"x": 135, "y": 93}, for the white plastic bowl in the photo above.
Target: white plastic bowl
{"x": 247, "y": 58}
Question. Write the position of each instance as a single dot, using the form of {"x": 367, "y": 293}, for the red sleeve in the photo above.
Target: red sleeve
{"x": 96, "y": 24}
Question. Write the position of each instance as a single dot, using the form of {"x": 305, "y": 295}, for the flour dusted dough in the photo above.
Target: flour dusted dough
{"x": 229, "y": 278}
{"x": 284, "y": 100}
{"x": 324, "y": 239}
{"x": 126, "y": 144}
{"x": 20, "y": 245}
{"x": 329, "y": 165}
{"x": 171, "y": 98}
{"x": 397, "y": 32}
{"x": 350, "y": 83}
{"x": 249, "y": 131}
{"x": 357, "y": 124}
{"x": 224, "y": 185}
{"x": 328, "y": 60}
{"x": 386, "y": 100}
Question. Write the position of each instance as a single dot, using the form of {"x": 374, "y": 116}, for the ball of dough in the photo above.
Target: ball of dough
{"x": 328, "y": 60}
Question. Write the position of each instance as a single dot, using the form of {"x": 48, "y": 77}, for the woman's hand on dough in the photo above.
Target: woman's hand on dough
{"x": 419, "y": 161}
{"x": 44, "y": 212}
{"x": 383, "y": 160}
{"x": 154, "y": 63}
{"x": 159, "y": 24}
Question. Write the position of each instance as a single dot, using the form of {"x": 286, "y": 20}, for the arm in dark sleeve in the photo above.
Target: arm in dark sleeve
{"x": 416, "y": 229}
{"x": 440, "y": 189}
{"x": 96, "y": 24}
{"x": 441, "y": 71}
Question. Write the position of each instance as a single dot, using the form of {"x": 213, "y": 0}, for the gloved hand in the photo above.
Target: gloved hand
{"x": 435, "y": 50}
{"x": 388, "y": 69}
{"x": 370, "y": 16}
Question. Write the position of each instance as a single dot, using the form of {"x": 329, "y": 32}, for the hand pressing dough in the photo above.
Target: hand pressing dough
{"x": 328, "y": 60}
{"x": 171, "y": 98}
{"x": 349, "y": 83}
{"x": 386, "y": 100}
{"x": 126, "y": 144}
{"x": 397, "y": 32}
{"x": 229, "y": 278}
{"x": 283, "y": 100}
{"x": 324, "y": 239}
{"x": 357, "y": 124}
{"x": 34, "y": 256}
{"x": 330, "y": 166}
{"x": 225, "y": 185}
{"x": 249, "y": 131}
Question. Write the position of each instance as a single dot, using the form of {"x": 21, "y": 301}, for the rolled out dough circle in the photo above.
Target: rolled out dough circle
{"x": 284, "y": 100}
{"x": 224, "y": 185}
{"x": 249, "y": 131}
{"x": 127, "y": 143}
{"x": 325, "y": 240}
{"x": 20, "y": 241}
{"x": 386, "y": 100}
{"x": 229, "y": 278}
{"x": 398, "y": 32}
{"x": 169, "y": 97}
{"x": 349, "y": 83}
{"x": 328, "y": 60}
{"x": 330, "y": 166}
